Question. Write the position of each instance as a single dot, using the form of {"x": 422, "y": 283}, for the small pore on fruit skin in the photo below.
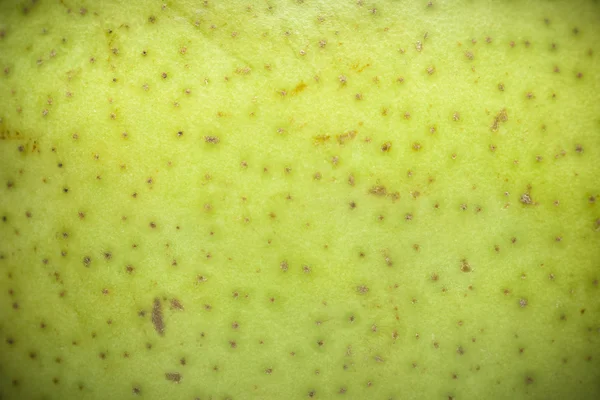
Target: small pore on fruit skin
{"x": 157, "y": 318}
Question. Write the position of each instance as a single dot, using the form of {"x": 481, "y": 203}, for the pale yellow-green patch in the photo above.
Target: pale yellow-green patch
{"x": 296, "y": 199}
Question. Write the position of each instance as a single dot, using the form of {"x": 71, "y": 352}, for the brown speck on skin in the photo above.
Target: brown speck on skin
{"x": 456, "y": 116}
{"x": 211, "y": 139}
{"x": 386, "y": 147}
{"x": 501, "y": 117}
{"x": 523, "y": 303}
{"x": 378, "y": 190}
{"x": 157, "y": 317}
{"x": 525, "y": 199}
{"x": 465, "y": 266}
{"x": 362, "y": 289}
{"x": 174, "y": 377}
{"x": 176, "y": 304}
{"x": 284, "y": 266}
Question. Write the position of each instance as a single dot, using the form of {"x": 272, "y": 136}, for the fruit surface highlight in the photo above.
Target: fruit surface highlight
{"x": 299, "y": 199}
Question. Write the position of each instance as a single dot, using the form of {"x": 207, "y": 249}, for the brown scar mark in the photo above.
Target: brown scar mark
{"x": 346, "y": 136}
{"x": 378, "y": 190}
{"x": 526, "y": 199}
{"x": 502, "y": 116}
{"x": 211, "y": 139}
{"x": 174, "y": 377}
{"x": 320, "y": 139}
{"x": 299, "y": 88}
{"x": 386, "y": 147}
{"x": 465, "y": 266}
{"x": 157, "y": 317}
{"x": 176, "y": 304}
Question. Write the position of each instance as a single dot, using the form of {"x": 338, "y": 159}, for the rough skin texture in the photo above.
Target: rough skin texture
{"x": 299, "y": 199}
